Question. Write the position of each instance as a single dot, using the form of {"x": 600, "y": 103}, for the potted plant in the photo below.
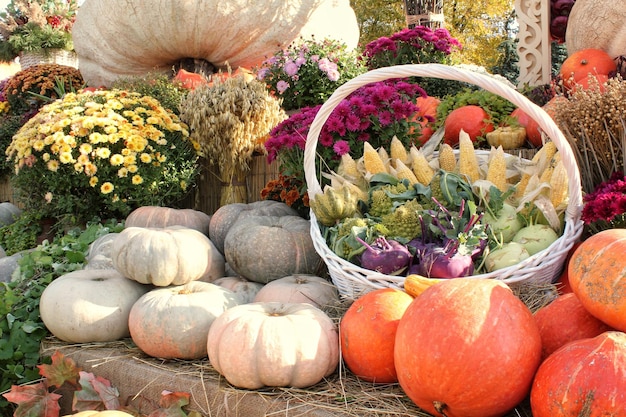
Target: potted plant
{"x": 38, "y": 30}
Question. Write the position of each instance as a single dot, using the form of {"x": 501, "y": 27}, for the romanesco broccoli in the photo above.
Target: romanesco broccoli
{"x": 404, "y": 221}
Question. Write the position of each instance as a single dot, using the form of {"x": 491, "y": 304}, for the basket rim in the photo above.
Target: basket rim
{"x": 573, "y": 223}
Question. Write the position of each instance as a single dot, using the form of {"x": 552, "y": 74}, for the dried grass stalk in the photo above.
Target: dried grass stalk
{"x": 594, "y": 123}
{"x": 229, "y": 119}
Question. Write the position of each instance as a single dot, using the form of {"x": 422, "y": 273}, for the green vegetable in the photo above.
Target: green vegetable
{"x": 536, "y": 237}
{"x": 507, "y": 255}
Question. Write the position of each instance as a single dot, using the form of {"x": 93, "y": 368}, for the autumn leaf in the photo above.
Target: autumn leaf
{"x": 60, "y": 371}
{"x": 96, "y": 394}
{"x": 34, "y": 400}
{"x": 172, "y": 404}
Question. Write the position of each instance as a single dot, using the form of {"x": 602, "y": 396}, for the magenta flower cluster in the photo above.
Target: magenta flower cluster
{"x": 419, "y": 45}
{"x": 607, "y": 203}
{"x": 374, "y": 113}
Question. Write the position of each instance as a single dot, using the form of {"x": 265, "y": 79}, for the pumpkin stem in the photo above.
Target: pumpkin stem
{"x": 197, "y": 65}
{"x": 440, "y": 407}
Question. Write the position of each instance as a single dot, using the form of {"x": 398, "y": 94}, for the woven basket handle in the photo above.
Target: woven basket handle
{"x": 447, "y": 73}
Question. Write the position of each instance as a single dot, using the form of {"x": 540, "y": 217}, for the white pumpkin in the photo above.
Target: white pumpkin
{"x": 299, "y": 288}
{"x": 245, "y": 289}
{"x": 172, "y": 255}
{"x": 174, "y": 321}
{"x": 273, "y": 344}
{"x": 117, "y": 38}
{"x": 89, "y": 305}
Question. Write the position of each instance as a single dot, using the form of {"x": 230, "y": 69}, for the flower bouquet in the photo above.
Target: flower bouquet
{"x": 35, "y": 26}
{"x": 101, "y": 154}
{"x": 308, "y": 71}
{"x": 605, "y": 207}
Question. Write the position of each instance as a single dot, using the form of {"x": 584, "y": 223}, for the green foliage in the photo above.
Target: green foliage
{"x": 22, "y": 234}
{"x": 9, "y": 124}
{"x": 21, "y": 328}
{"x": 32, "y": 38}
{"x": 507, "y": 62}
{"x": 156, "y": 85}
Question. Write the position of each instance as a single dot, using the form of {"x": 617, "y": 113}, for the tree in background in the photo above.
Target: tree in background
{"x": 378, "y": 18}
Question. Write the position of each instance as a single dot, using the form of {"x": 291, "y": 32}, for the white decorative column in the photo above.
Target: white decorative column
{"x": 534, "y": 46}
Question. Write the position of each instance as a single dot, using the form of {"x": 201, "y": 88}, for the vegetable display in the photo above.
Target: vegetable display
{"x": 442, "y": 215}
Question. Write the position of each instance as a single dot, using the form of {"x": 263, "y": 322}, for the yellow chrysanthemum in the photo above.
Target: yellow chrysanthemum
{"x": 145, "y": 158}
{"x": 39, "y": 145}
{"x": 91, "y": 169}
{"x": 45, "y": 157}
{"x": 115, "y": 198}
{"x": 97, "y": 137}
{"x": 85, "y": 148}
{"x": 66, "y": 158}
{"x": 110, "y": 129}
{"x": 126, "y": 152}
{"x": 88, "y": 123}
{"x": 44, "y": 129}
{"x": 116, "y": 160}
{"x": 137, "y": 179}
{"x": 83, "y": 159}
{"x": 132, "y": 169}
{"x": 53, "y": 165}
{"x": 130, "y": 160}
{"x": 103, "y": 153}
{"x": 93, "y": 181}
{"x": 122, "y": 172}
{"x": 183, "y": 185}
{"x": 106, "y": 188}
{"x": 78, "y": 167}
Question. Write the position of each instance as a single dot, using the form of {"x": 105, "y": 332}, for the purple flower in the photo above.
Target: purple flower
{"x": 282, "y": 86}
{"x": 291, "y": 68}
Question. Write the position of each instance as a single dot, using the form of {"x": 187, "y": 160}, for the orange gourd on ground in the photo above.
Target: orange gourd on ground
{"x": 467, "y": 347}
{"x": 597, "y": 275}
{"x": 473, "y": 119}
{"x": 565, "y": 320}
{"x": 583, "y": 378}
{"x": 584, "y": 62}
{"x": 367, "y": 334}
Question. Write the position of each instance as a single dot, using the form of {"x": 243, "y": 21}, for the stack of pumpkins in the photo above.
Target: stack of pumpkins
{"x": 163, "y": 282}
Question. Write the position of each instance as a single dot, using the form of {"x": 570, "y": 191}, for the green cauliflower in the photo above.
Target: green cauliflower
{"x": 384, "y": 197}
{"x": 341, "y": 238}
{"x": 404, "y": 221}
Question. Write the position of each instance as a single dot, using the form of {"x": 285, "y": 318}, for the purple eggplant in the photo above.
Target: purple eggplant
{"x": 388, "y": 257}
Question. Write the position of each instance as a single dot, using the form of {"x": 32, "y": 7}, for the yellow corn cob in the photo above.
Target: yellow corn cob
{"x": 398, "y": 151}
{"x": 371, "y": 160}
{"x": 447, "y": 160}
{"x": 559, "y": 185}
{"x": 347, "y": 167}
{"x": 496, "y": 170}
{"x": 419, "y": 164}
{"x": 468, "y": 163}
{"x": 384, "y": 156}
{"x": 520, "y": 188}
{"x": 403, "y": 172}
{"x": 547, "y": 172}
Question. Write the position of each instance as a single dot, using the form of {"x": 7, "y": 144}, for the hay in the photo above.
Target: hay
{"x": 340, "y": 395}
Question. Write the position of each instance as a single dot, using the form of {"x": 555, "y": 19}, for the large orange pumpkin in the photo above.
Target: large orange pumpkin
{"x": 580, "y": 64}
{"x": 597, "y": 275}
{"x": 367, "y": 333}
{"x": 467, "y": 347}
{"x": 426, "y": 117}
{"x": 533, "y": 132}
{"x": 583, "y": 378}
{"x": 565, "y": 320}
{"x": 473, "y": 119}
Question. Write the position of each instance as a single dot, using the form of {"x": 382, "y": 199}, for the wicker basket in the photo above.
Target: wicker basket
{"x": 49, "y": 56}
{"x": 541, "y": 268}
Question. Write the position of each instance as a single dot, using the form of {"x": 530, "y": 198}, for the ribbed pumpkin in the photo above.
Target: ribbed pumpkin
{"x": 565, "y": 320}
{"x": 226, "y": 216}
{"x": 583, "y": 378}
{"x": 367, "y": 334}
{"x": 155, "y": 35}
{"x": 265, "y": 248}
{"x": 273, "y": 344}
{"x": 166, "y": 256}
{"x": 174, "y": 322}
{"x": 467, "y": 348}
{"x": 300, "y": 288}
{"x": 585, "y": 62}
{"x": 155, "y": 216}
{"x": 89, "y": 305}
{"x": 597, "y": 275}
